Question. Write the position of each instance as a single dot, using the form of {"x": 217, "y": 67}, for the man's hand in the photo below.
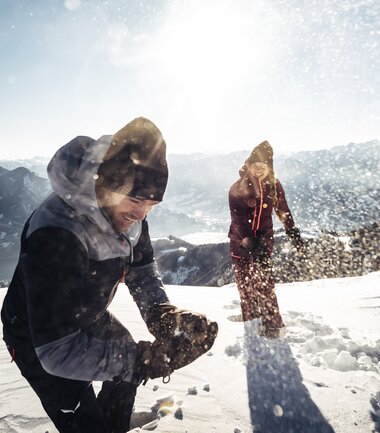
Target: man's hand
{"x": 166, "y": 321}
{"x": 182, "y": 336}
{"x": 162, "y": 357}
{"x": 152, "y": 360}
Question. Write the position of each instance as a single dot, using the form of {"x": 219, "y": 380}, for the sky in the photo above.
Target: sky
{"x": 214, "y": 75}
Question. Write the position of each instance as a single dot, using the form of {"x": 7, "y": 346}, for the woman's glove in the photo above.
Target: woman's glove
{"x": 295, "y": 236}
{"x": 247, "y": 243}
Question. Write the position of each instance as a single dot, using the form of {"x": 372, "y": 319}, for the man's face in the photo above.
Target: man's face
{"x": 124, "y": 210}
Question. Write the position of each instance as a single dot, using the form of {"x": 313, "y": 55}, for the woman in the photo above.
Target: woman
{"x": 252, "y": 200}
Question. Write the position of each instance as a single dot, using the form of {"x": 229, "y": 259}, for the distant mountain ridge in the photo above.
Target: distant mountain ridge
{"x": 335, "y": 189}
{"x": 37, "y": 164}
{"x": 21, "y": 191}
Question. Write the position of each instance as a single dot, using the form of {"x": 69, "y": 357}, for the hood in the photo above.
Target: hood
{"x": 263, "y": 152}
{"x": 72, "y": 173}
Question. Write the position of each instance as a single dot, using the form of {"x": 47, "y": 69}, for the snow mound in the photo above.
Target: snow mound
{"x": 322, "y": 346}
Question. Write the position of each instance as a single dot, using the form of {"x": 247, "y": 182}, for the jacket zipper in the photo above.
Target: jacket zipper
{"x": 260, "y": 211}
{"x": 122, "y": 239}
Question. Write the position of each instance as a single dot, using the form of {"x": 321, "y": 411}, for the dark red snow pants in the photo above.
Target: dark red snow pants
{"x": 71, "y": 404}
{"x": 253, "y": 273}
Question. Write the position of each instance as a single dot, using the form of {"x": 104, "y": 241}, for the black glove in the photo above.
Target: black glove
{"x": 295, "y": 236}
{"x": 152, "y": 361}
{"x": 186, "y": 350}
{"x": 162, "y": 357}
{"x": 165, "y": 321}
{"x": 181, "y": 335}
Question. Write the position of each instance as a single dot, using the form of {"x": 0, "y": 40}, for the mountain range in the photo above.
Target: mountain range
{"x": 332, "y": 190}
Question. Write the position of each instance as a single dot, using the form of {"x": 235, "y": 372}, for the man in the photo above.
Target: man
{"x": 85, "y": 238}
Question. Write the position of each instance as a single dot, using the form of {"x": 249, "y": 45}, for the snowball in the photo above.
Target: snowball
{"x": 233, "y": 349}
{"x": 292, "y": 338}
{"x": 316, "y": 344}
{"x": 365, "y": 360}
{"x": 277, "y": 410}
{"x": 335, "y": 342}
{"x": 315, "y": 362}
{"x": 330, "y": 357}
{"x": 192, "y": 391}
{"x": 178, "y": 414}
{"x": 352, "y": 347}
{"x": 345, "y": 362}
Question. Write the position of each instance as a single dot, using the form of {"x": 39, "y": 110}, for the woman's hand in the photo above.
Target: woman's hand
{"x": 295, "y": 236}
{"x": 247, "y": 243}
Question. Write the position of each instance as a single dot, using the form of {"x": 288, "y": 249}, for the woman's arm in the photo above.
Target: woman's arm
{"x": 286, "y": 218}
{"x": 283, "y": 211}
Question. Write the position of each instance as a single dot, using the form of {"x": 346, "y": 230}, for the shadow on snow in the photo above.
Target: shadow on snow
{"x": 278, "y": 400}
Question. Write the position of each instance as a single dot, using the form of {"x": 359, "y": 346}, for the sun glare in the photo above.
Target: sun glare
{"x": 213, "y": 44}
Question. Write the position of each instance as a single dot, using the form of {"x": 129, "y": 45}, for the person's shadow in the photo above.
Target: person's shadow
{"x": 278, "y": 400}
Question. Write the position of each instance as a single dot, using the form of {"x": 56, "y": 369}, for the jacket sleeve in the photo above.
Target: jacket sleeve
{"x": 241, "y": 215}
{"x": 69, "y": 341}
{"x": 283, "y": 210}
{"x": 143, "y": 279}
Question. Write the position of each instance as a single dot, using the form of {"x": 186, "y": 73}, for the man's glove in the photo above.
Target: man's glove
{"x": 165, "y": 321}
{"x": 187, "y": 348}
{"x": 152, "y": 361}
{"x": 295, "y": 236}
{"x": 162, "y": 357}
{"x": 181, "y": 335}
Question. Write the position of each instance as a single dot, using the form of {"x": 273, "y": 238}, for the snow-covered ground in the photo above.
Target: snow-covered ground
{"x": 323, "y": 376}
{"x": 202, "y": 238}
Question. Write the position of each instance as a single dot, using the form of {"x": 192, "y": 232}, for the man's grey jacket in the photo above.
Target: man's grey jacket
{"x": 70, "y": 265}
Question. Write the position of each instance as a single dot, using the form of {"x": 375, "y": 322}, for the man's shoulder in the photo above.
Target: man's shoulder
{"x": 54, "y": 213}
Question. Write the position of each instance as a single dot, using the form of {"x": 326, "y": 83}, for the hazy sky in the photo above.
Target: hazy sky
{"x": 214, "y": 75}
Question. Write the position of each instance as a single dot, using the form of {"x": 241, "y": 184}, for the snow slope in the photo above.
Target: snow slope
{"x": 323, "y": 376}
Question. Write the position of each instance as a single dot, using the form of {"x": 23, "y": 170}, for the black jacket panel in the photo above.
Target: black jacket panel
{"x": 67, "y": 296}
